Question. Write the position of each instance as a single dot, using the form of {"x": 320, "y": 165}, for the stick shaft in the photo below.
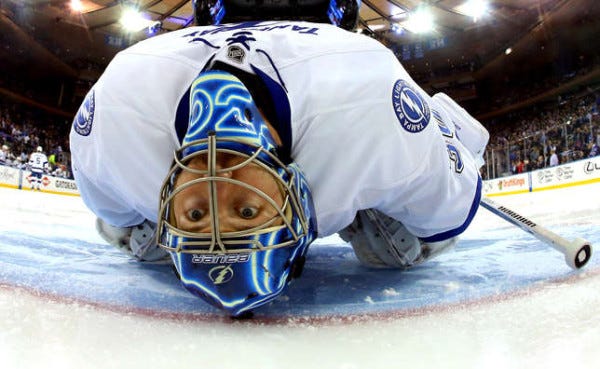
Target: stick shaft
{"x": 577, "y": 252}
{"x": 525, "y": 224}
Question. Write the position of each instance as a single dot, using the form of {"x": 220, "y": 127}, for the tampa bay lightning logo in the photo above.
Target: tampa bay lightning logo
{"x": 220, "y": 274}
{"x": 82, "y": 123}
{"x": 410, "y": 108}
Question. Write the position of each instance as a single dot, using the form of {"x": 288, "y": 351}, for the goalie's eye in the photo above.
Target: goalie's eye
{"x": 195, "y": 215}
{"x": 248, "y": 212}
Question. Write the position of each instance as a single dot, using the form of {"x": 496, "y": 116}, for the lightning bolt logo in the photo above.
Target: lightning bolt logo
{"x": 220, "y": 274}
{"x": 411, "y": 109}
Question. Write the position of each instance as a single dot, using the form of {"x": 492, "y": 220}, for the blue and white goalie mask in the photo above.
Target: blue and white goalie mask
{"x": 235, "y": 219}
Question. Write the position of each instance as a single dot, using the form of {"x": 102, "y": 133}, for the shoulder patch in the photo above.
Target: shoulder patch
{"x": 411, "y": 109}
{"x": 82, "y": 123}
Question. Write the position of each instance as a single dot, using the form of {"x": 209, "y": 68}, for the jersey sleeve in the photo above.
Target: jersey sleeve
{"x": 106, "y": 203}
{"x": 384, "y": 145}
{"x": 123, "y": 137}
{"x": 438, "y": 199}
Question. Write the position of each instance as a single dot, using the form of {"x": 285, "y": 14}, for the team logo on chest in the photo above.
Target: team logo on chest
{"x": 410, "y": 108}
{"x": 82, "y": 123}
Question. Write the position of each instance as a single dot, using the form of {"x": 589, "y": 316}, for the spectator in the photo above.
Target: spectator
{"x": 594, "y": 150}
{"x": 540, "y": 162}
{"x": 60, "y": 171}
{"x": 520, "y": 166}
{"x": 553, "y": 158}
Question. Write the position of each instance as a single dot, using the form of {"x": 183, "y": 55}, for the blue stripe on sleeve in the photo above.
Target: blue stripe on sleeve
{"x": 456, "y": 231}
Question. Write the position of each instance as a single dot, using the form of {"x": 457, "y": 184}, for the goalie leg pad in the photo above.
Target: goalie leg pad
{"x": 380, "y": 241}
{"x": 115, "y": 236}
{"x": 138, "y": 241}
{"x": 143, "y": 243}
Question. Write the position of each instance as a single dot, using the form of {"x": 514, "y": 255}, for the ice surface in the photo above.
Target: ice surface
{"x": 500, "y": 300}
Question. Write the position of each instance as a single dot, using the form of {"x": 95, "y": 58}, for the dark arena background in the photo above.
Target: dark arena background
{"x": 529, "y": 70}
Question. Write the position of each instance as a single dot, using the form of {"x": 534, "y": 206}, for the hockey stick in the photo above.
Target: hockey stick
{"x": 577, "y": 252}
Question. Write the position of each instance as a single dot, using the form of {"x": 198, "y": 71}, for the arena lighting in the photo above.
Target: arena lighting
{"x": 473, "y": 8}
{"x": 76, "y": 6}
{"x": 421, "y": 21}
{"x": 133, "y": 21}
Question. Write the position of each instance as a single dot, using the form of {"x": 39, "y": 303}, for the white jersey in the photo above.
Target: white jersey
{"x": 38, "y": 162}
{"x": 365, "y": 135}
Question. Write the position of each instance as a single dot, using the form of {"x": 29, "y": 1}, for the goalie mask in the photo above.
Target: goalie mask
{"x": 235, "y": 219}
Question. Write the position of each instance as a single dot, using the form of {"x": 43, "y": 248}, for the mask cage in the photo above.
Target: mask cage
{"x": 265, "y": 236}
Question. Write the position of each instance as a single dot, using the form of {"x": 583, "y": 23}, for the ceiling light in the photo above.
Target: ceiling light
{"x": 508, "y": 51}
{"x": 473, "y": 8}
{"x": 421, "y": 21}
{"x": 133, "y": 21}
{"x": 76, "y": 5}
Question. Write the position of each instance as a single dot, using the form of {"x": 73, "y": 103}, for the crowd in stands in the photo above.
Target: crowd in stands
{"x": 563, "y": 132}
{"x": 22, "y": 130}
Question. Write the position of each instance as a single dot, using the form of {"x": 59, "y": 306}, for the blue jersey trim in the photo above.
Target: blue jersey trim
{"x": 456, "y": 231}
{"x": 282, "y": 110}
{"x": 182, "y": 116}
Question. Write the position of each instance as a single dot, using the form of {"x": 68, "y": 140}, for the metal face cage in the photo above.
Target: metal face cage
{"x": 284, "y": 229}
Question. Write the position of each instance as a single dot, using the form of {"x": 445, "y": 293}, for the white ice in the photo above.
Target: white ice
{"x": 554, "y": 326}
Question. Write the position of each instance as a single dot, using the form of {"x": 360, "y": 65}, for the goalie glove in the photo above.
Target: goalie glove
{"x": 137, "y": 241}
